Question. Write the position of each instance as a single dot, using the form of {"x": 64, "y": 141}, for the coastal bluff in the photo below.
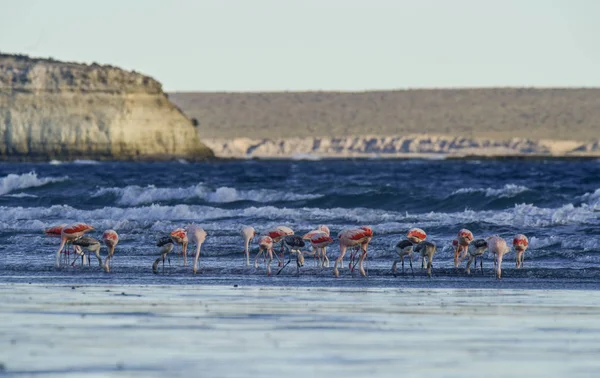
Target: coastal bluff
{"x": 64, "y": 111}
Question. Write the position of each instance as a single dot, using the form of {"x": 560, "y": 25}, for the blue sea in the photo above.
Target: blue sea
{"x": 231, "y": 320}
{"x": 556, "y": 203}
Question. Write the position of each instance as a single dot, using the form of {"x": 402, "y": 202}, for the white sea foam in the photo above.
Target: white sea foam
{"x": 383, "y": 222}
{"x": 55, "y": 162}
{"x": 593, "y": 199}
{"x": 137, "y": 195}
{"x": 21, "y": 195}
{"x": 509, "y": 190}
{"x": 86, "y": 162}
{"x": 24, "y": 181}
{"x": 310, "y": 157}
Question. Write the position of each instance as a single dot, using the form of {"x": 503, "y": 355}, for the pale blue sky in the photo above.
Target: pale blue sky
{"x": 256, "y": 45}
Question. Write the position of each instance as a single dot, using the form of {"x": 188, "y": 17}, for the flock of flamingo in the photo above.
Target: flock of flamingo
{"x": 355, "y": 239}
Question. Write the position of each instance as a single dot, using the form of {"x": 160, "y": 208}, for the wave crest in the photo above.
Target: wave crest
{"x": 24, "y": 181}
{"x": 509, "y": 190}
{"x": 134, "y": 195}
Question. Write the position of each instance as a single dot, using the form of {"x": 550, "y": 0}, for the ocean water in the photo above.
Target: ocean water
{"x": 235, "y": 321}
{"x": 556, "y": 203}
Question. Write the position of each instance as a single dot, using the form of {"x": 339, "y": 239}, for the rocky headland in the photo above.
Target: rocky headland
{"x": 63, "y": 111}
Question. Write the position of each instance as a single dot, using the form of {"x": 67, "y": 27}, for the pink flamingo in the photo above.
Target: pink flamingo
{"x": 464, "y": 238}
{"x": 248, "y": 233}
{"x": 498, "y": 247}
{"x": 110, "y": 239}
{"x": 198, "y": 237}
{"x": 320, "y": 252}
{"x": 265, "y": 244}
{"x": 320, "y": 242}
{"x": 69, "y": 234}
{"x": 277, "y": 234}
{"x": 405, "y": 248}
{"x": 476, "y": 249}
{"x": 55, "y": 232}
{"x": 179, "y": 236}
{"x": 350, "y": 238}
{"x": 520, "y": 243}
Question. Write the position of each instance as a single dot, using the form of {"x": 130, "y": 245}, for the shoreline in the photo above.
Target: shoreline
{"x": 257, "y": 332}
{"x": 216, "y": 159}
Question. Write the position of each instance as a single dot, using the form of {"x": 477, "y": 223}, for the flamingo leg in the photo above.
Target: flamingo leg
{"x": 361, "y": 268}
{"x": 471, "y": 259}
{"x": 480, "y": 264}
{"x": 260, "y": 252}
{"x": 325, "y": 259}
{"x": 402, "y": 259}
{"x": 197, "y": 257}
{"x": 269, "y": 262}
{"x": 456, "y": 256}
{"x": 411, "y": 267}
{"x": 339, "y": 260}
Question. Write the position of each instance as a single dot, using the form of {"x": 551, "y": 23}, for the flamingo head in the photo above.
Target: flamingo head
{"x": 520, "y": 243}
{"x": 416, "y": 235}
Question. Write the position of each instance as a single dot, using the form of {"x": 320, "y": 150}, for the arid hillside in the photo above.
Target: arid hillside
{"x": 498, "y": 113}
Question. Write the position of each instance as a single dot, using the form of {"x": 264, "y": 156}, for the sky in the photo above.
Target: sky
{"x": 300, "y": 45}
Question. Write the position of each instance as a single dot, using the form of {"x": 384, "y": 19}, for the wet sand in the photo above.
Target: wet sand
{"x": 257, "y": 331}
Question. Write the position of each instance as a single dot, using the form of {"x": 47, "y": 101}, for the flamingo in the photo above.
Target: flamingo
{"x": 70, "y": 233}
{"x": 498, "y": 247}
{"x": 465, "y": 237}
{"x": 520, "y": 243}
{"x": 198, "y": 236}
{"x": 265, "y": 244}
{"x": 321, "y": 230}
{"x": 293, "y": 243}
{"x": 55, "y": 232}
{"x": 179, "y": 236}
{"x": 110, "y": 239}
{"x": 416, "y": 235}
{"x": 166, "y": 244}
{"x": 427, "y": 250}
{"x": 350, "y": 238}
{"x": 277, "y": 234}
{"x": 320, "y": 242}
{"x": 476, "y": 249}
{"x": 403, "y": 248}
{"x": 248, "y": 233}
{"x": 90, "y": 244}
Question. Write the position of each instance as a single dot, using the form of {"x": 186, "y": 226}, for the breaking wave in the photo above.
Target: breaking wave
{"x": 509, "y": 190}
{"x": 24, "y": 181}
{"x": 137, "y": 195}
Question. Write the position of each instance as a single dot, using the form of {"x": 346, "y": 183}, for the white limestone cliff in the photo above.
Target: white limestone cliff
{"x": 55, "y": 110}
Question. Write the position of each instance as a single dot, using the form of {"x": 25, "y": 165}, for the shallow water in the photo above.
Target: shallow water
{"x": 251, "y": 331}
{"x": 556, "y": 203}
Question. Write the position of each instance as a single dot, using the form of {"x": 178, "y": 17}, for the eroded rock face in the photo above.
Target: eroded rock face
{"x": 394, "y": 147}
{"x": 54, "y": 110}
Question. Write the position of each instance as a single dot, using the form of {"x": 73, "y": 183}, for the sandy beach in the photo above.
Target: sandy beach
{"x": 227, "y": 331}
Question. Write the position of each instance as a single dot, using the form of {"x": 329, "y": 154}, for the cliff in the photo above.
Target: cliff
{"x": 57, "y": 110}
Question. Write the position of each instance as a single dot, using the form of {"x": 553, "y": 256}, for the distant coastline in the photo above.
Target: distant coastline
{"x": 402, "y": 147}
{"x": 430, "y": 123}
